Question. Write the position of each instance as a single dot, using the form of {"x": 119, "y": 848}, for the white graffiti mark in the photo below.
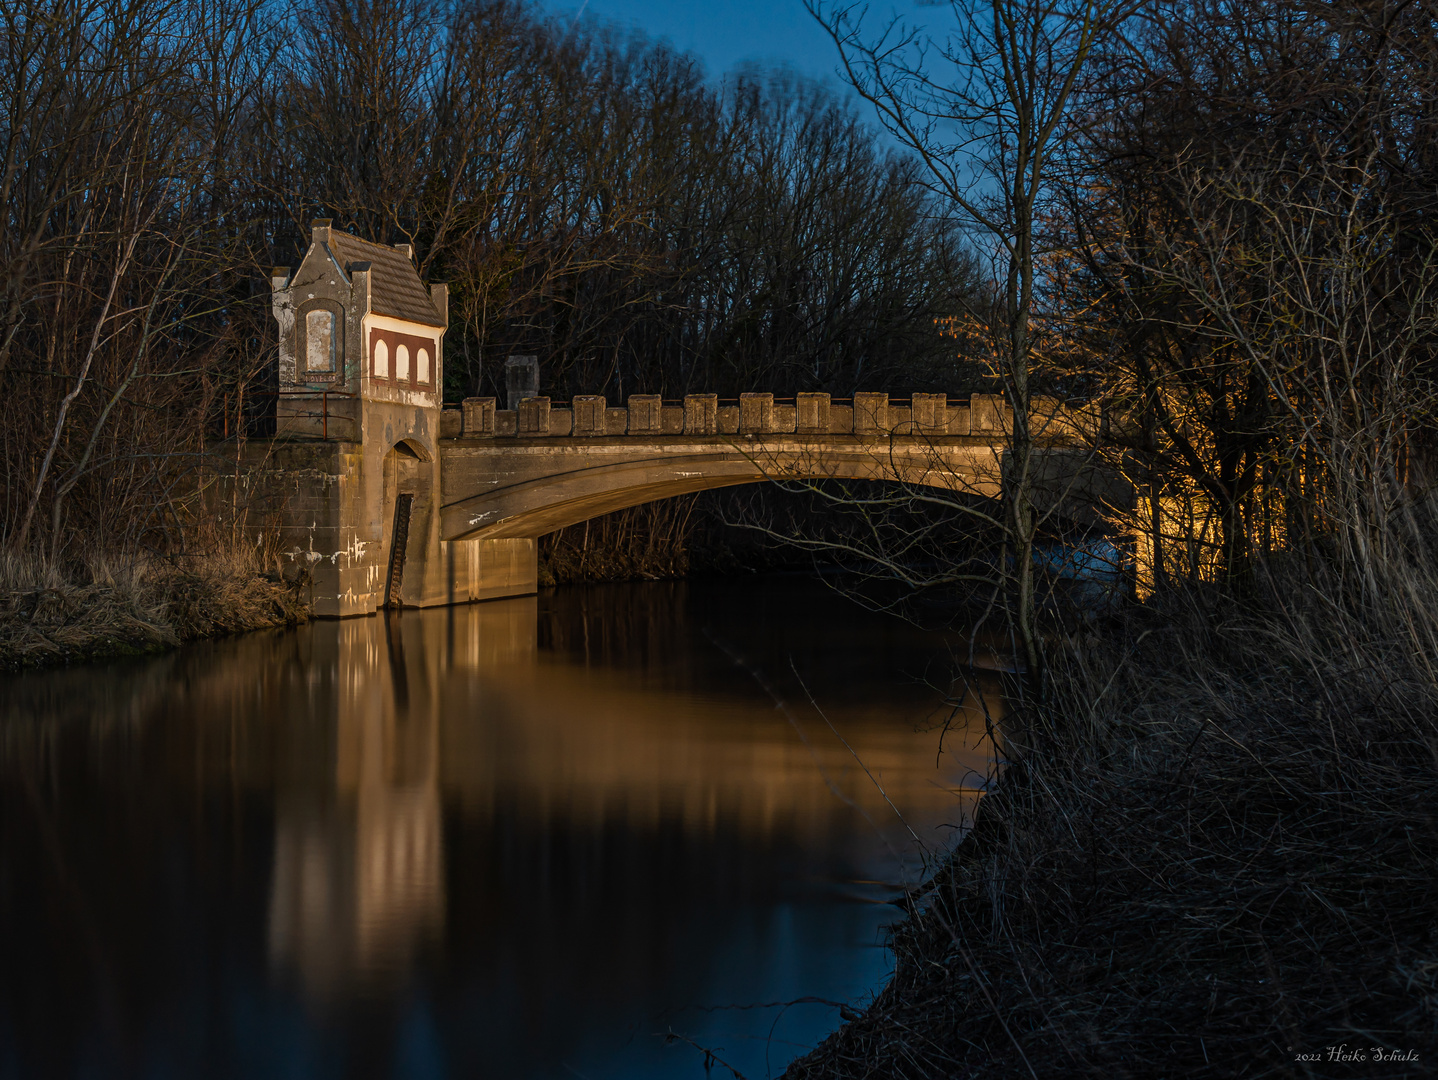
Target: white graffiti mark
{"x": 310, "y": 556}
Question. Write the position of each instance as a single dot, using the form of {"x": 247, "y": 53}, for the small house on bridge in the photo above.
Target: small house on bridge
{"x": 356, "y": 325}
{"x": 361, "y": 378}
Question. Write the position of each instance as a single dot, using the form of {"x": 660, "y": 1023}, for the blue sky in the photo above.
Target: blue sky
{"x": 725, "y": 33}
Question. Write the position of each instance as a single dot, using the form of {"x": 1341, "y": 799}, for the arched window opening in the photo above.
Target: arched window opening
{"x": 381, "y": 359}
{"x": 401, "y": 364}
{"x": 421, "y": 366}
{"x": 320, "y": 340}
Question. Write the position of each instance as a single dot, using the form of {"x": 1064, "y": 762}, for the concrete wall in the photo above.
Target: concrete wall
{"x": 330, "y": 505}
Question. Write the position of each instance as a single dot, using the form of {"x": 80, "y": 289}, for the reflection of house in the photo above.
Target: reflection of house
{"x": 358, "y": 882}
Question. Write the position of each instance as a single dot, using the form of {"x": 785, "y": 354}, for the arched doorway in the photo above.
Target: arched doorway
{"x": 407, "y": 482}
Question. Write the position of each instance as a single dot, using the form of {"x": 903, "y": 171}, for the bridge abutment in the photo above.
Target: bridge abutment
{"x": 327, "y": 510}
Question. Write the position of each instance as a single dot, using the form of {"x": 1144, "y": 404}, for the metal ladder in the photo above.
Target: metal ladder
{"x": 403, "y": 506}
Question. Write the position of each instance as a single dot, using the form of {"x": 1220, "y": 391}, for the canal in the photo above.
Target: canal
{"x": 577, "y": 835}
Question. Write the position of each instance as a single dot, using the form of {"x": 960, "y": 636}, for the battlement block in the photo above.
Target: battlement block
{"x": 478, "y": 417}
{"x": 645, "y": 414}
{"x": 756, "y": 413}
{"x": 871, "y": 414}
{"x": 589, "y": 415}
{"x": 930, "y": 413}
{"x": 811, "y": 414}
{"x": 534, "y": 416}
{"x": 701, "y": 414}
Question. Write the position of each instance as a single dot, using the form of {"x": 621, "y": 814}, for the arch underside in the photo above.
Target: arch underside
{"x": 541, "y": 505}
{"x": 414, "y": 448}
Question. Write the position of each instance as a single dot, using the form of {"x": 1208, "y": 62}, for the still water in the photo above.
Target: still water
{"x": 567, "y": 836}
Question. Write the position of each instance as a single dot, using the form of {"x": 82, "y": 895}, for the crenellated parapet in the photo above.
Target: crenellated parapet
{"x": 590, "y": 416}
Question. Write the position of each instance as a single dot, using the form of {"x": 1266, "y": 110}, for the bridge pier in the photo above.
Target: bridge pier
{"x": 490, "y": 569}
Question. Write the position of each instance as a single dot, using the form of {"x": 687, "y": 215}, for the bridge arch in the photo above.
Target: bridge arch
{"x": 414, "y": 448}
{"x": 513, "y": 505}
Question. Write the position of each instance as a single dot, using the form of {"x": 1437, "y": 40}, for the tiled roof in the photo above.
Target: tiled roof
{"x": 395, "y": 288}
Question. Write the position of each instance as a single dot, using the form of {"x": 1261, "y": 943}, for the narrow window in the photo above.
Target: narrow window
{"x": 421, "y": 366}
{"x": 401, "y": 364}
{"x": 381, "y": 359}
{"x": 320, "y": 340}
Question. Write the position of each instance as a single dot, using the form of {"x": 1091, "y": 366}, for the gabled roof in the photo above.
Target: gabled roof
{"x": 395, "y": 287}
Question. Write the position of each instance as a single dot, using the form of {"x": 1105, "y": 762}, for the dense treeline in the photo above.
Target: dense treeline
{"x": 590, "y": 198}
{"x": 1244, "y": 237}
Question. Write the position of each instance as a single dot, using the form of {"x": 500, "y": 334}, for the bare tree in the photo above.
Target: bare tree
{"x": 120, "y": 283}
{"x": 984, "y": 102}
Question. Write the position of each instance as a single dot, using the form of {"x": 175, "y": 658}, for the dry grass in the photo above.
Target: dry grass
{"x": 49, "y": 616}
{"x": 1224, "y": 859}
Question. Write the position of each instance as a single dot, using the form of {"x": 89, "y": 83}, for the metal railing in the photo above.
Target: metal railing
{"x": 322, "y": 396}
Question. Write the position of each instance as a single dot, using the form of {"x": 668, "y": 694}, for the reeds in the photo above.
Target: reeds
{"x": 1219, "y": 856}
{"x": 52, "y": 615}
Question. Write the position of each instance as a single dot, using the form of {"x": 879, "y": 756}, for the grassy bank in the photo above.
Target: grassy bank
{"x": 51, "y": 615}
{"x": 1220, "y": 858}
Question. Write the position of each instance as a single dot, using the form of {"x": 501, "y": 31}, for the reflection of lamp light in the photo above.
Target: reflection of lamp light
{"x": 398, "y": 875}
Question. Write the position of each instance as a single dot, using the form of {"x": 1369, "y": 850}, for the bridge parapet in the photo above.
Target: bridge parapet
{"x": 819, "y": 415}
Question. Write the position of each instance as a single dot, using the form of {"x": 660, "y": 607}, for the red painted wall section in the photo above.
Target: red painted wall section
{"x": 393, "y": 339}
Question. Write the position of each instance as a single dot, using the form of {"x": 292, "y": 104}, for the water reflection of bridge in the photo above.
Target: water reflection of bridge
{"x": 460, "y": 709}
{"x": 583, "y": 796}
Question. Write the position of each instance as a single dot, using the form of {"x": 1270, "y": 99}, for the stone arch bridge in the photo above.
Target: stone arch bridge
{"x": 430, "y": 506}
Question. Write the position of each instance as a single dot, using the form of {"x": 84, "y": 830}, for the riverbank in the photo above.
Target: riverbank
{"x": 1221, "y": 864}
{"x": 51, "y": 617}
